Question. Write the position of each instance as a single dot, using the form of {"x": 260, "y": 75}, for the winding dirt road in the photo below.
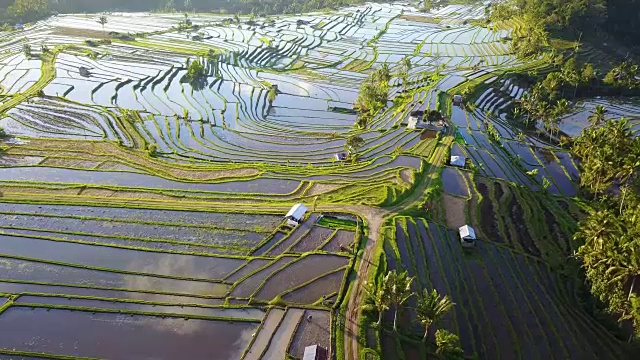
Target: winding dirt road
{"x": 375, "y": 217}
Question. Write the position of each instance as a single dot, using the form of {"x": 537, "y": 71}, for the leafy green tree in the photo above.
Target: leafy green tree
{"x": 399, "y": 285}
{"x": 431, "y": 308}
{"x": 607, "y": 154}
{"x": 427, "y": 5}
{"x": 448, "y": 346}
{"x": 26, "y": 49}
{"x": 271, "y": 96}
{"x": 377, "y": 298}
{"x": 588, "y": 74}
{"x": 598, "y": 116}
{"x": 353, "y": 144}
{"x": 103, "y": 21}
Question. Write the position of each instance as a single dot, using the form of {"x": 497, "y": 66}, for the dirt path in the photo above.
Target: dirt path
{"x": 375, "y": 218}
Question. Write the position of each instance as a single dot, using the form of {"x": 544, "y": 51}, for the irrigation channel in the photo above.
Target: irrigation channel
{"x": 141, "y": 213}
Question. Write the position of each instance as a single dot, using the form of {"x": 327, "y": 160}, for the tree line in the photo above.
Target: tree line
{"x": 21, "y": 11}
{"x": 609, "y": 154}
{"x": 620, "y": 18}
{"x": 550, "y": 96}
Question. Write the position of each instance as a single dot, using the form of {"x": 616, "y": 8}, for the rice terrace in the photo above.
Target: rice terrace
{"x": 318, "y": 180}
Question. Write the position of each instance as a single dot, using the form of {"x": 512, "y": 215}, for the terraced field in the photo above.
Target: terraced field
{"x": 146, "y": 210}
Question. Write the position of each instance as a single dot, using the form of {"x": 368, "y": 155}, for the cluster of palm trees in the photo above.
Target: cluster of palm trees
{"x": 393, "y": 291}
{"x": 546, "y": 100}
{"x": 609, "y": 154}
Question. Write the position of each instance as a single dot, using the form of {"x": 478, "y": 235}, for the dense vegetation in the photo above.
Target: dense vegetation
{"x": 569, "y": 18}
{"x": 610, "y": 162}
{"x": 393, "y": 290}
{"x": 14, "y": 11}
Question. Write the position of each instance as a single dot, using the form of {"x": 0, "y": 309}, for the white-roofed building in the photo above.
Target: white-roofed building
{"x": 458, "y": 161}
{"x": 296, "y": 214}
{"x": 467, "y": 236}
{"x": 315, "y": 352}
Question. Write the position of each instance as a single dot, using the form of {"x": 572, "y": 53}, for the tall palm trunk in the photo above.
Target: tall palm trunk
{"x": 426, "y": 334}
{"x": 395, "y": 319}
{"x": 379, "y": 318}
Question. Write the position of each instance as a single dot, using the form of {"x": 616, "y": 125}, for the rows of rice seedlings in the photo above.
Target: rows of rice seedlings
{"x": 516, "y": 158}
{"x": 499, "y": 294}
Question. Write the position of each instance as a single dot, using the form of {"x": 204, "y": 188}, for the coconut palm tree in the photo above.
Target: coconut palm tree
{"x": 431, "y": 308}
{"x": 598, "y": 116}
{"x": 399, "y": 287}
{"x": 103, "y": 21}
{"x": 377, "y": 298}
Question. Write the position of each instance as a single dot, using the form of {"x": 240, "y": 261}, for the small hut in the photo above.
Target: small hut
{"x": 296, "y": 215}
{"x": 19, "y": 27}
{"x": 315, "y": 352}
{"x": 457, "y": 99}
{"x": 467, "y": 236}
{"x": 341, "y": 156}
{"x": 84, "y": 71}
{"x": 458, "y": 161}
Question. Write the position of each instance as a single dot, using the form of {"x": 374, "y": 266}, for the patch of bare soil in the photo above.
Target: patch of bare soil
{"x": 109, "y": 151}
{"x": 405, "y": 175}
{"x": 19, "y": 160}
{"x": 316, "y": 331}
{"x": 83, "y": 33}
{"x": 17, "y": 190}
{"x": 69, "y": 163}
{"x": 454, "y": 209}
{"x": 317, "y": 189}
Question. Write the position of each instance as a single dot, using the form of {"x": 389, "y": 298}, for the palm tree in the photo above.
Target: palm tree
{"x": 399, "y": 288}
{"x": 431, "y": 308}
{"x": 103, "y": 21}
{"x": 377, "y": 298}
{"x": 598, "y": 116}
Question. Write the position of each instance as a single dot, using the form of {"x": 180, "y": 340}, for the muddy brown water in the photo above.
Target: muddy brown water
{"x": 119, "y": 336}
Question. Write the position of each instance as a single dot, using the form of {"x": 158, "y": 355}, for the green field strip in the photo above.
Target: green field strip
{"x": 41, "y": 355}
{"x": 470, "y": 290}
{"x": 130, "y": 312}
{"x": 530, "y": 297}
{"x": 133, "y": 247}
{"x": 80, "y": 286}
{"x": 457, "y": 295}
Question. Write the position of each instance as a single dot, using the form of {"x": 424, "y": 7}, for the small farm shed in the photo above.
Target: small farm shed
{"x": 315, "y": 352}
{"x": 19, "y": 26}
{"x": 296, "y": 214}
{"x": 84, "y": 71}
{"x": 467, "y": 236}
{"x": 457, "y": 99}
{"x": 341, "y": 156}
{"x": 458, "y": 161}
